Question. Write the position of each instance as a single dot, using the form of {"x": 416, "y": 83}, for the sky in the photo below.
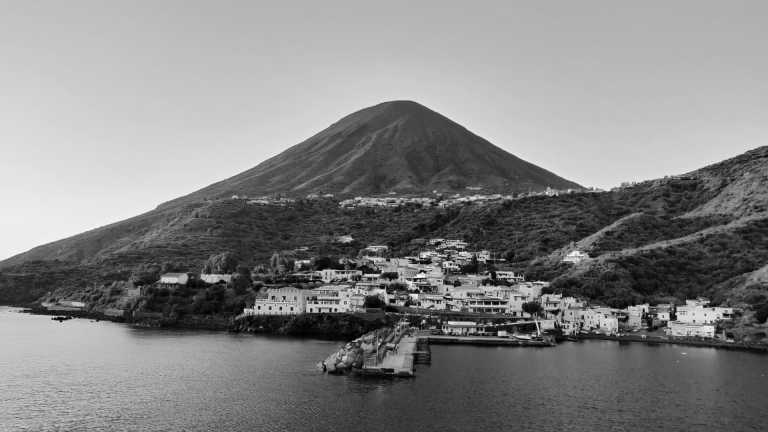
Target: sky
{"x": 108, "y": 109}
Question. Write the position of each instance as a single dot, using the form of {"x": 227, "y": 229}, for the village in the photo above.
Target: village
{"x": 464, "y": 292}
{"x": 473, "y": 195}
{"x": 445, "y": 280}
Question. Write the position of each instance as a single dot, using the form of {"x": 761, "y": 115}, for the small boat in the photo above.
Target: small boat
{"x": 61, "y": 318}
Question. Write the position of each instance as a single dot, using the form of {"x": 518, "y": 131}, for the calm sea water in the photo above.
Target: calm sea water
{"x": 86, "y": 376}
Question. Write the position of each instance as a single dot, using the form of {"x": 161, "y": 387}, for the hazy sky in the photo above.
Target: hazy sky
{"x": 108, "y": 108}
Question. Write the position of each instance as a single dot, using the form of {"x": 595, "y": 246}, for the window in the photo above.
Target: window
{"x": 270, "y": 308}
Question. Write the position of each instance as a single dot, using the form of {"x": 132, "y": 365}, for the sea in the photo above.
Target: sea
{"x": 82, "y": 375}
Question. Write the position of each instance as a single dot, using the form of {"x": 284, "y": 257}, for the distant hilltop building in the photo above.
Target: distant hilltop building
{"x": 174, "y": 278}
{"x": 377, "y": 249}
{"x": 344, "y": 239}
{"x": 575, "y": 257}
{"x": 214, "y": 278}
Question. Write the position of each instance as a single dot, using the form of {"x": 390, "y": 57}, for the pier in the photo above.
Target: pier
{"x": 397, "y": 353}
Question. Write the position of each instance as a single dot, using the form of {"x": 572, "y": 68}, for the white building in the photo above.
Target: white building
{"x": 483, "y": 304}
{"x": 681, "y": 329}
{"x": 302, "y": 264}
{"x": 432, "y": 301}
{"x": 509, "y": 276}
{"x": 333, "y": 275}
{"x": 575, "y": 257}
{"x": 216, "y": 278}
{"x": 174, "y": 278}
{"x": 377, "y": 249}
{"x": 460, "y": 328}
{"x": 280, "y": 301}
{"x": 330, "y": 299}
{"x": 697, "y": 314}
{"x": 601, "y": 320}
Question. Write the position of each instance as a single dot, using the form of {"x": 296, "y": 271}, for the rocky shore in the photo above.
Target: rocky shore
{"x": 321, "y": 326}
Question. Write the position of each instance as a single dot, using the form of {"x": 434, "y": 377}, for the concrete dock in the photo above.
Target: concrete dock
{"x": 489, "y": 341}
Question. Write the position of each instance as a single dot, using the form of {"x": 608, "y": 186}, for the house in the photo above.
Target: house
{"x": 344, "y": 239}
{"x": 302, "y": 264}
{"x": 575, "y": 257}
{"x": 483, "y": 304}
{"x": 330, "y": 299}
{"x": 661, "y": 314}
{"x": 635, "y": 315}
{"x": 174, "y": 278}
{"x": 694, "y": 313}
{"x": 450, "y": 266}
{"x": 600, "y": 320}
{"x": 333, "y": 275}
{"x": 509, "y": 276}
{"x": 684, "y": 329}
{"x": 531, "y": 290}
{"x": 280, "y": 301}
{"x": 377, "y": 249}
{"x": 216, "y": 278}
{"x": 432, "y": 301}
{"x": 461, "y": 328}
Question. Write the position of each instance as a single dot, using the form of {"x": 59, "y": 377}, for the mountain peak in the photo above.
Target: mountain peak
{"x": 399, "y": 146}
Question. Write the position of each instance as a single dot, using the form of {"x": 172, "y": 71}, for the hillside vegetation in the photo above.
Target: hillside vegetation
{"x": 703, "y": 233}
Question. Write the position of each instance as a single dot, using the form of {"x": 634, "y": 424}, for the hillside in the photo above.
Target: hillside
{"x": 703, "y": 233}
{"x": 393, "y": 146}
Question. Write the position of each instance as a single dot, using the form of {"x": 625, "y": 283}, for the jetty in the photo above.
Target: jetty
{"x": 395, "y": 352}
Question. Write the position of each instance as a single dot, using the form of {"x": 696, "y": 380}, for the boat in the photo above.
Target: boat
{"x": 61, "y": 318}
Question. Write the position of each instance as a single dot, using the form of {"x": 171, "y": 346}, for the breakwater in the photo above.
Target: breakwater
{"x": 651, "y": 340}
{"x": 394, "y": 351}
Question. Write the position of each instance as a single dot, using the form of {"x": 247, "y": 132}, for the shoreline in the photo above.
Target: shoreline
{"x": 224, "y": 324}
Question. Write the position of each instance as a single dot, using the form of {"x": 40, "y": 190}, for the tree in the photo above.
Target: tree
{"x": 762, "y": 314}
{"x": 472, "y": 267}
{"x": 223, "y": 263}
{"x": 278, "y": 263}
{"x": 373, "y": 301}
{"x": 534, "y": 309}
{"x": 241, "y": 281}
{"x": 389, "y": 276}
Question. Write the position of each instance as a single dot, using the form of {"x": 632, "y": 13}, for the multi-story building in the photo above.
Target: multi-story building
{"x": 330, "y": 299}
{"x": 682, "y": 329}
{"x": 280, "y": 301}
{"x": 698, "y": 314}
{"x": 575, "y": 257}
{"x": 432, "y": 301}
{"x": 333, "y": 275}
{"x": 483, "y": 304}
